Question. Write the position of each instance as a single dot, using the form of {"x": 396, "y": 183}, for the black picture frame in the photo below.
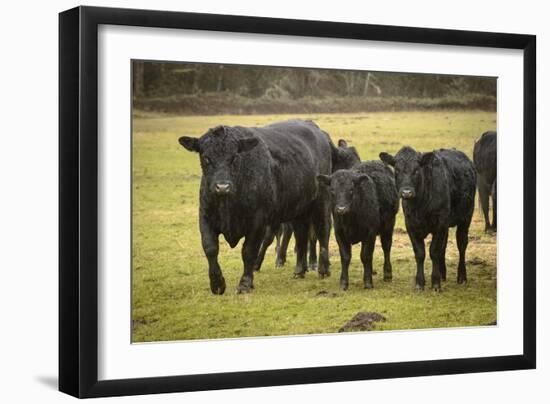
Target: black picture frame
{"x": 78, "y": 201}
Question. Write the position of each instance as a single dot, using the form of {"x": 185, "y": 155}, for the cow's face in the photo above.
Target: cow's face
{"x": 343, "y": 185}
{"x": 220, "y": 152}
{"x": 346, "y": 156}
{"x": 408, "y": 167}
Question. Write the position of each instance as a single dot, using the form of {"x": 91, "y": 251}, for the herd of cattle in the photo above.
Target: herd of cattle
{"x": 289, "y": 178}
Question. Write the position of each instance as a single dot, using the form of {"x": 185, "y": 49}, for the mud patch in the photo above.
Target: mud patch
{"x": 141, "y": 321}
{"x": 326, "y": 293}
{"x": 476, "y": 261}
{"x": 362, "y": 321}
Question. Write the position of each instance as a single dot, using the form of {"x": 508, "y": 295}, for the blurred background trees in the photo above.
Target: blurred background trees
{"x": 167, "y": 82}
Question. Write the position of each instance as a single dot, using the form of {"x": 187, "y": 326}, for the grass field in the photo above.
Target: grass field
{"x": 171, "y": 298}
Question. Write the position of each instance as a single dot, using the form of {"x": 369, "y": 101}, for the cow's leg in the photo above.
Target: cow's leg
{"x": 301, "y": 227}
{"x": 419, "y": 255}
{"x": 436, "y": 253}
{"x": 442, "y": 263}
{"x": 312, "y": 246}
{"x": 321, "y": 222}
{"x": 367, "y": 249}
{"x": 484, "y": 200}
{"x": 281, "y": 253}
{"x": 386, "y": 236}
{"x": 210, "y": 245}
{"x": 494, "y": 198}
{"x": 250, "y": 250}
{"x": 345, "y": 258}
{"x": 462, "y": 243}
{"x": 266, "y": 242}
{"x": 278, "y": 235}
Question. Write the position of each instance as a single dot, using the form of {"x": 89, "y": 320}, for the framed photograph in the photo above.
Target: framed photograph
{"x": 251, "y": 201}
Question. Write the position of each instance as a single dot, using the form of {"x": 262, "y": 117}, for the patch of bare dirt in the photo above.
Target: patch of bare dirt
{"x": 141, "y": 321}
{"x": 326, "y": 293}
{"x": 476, "y": 261}
{"x": 362, "y": 321}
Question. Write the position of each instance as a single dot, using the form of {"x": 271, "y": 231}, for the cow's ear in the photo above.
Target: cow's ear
{"x": 387, "y": 158}
{"x": 247, "y": 144}
{"x": 426, "y": 158}
{"x": 323, "y": 179}
{"x": 342, "y": 143}
{"x": 358, "y": 179}
{"x": 190, "y": 143}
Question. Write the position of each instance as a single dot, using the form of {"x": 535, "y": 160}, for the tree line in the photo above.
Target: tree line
{"x": 167, "y": 79}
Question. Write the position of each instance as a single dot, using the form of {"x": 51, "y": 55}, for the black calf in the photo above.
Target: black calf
{"x": 438, "y": 191}
{"x": 364, "y": 203}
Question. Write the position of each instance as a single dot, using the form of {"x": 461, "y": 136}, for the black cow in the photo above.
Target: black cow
{"x": 438, "y": 190}
{"x": 485, "y": 162}
{"x": 256, "y": 178}
{"x": 364, "y": 205}
{"x": 343, "y": 156}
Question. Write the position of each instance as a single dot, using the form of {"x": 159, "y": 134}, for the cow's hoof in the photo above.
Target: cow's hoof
{"x": 436, "y": 288}
{"x": 388, "y": 277}
{"x": 313, "y": 267}
{"x": 368, "y": 285}
{"x": 245, "y": 285}
{"x": 279, "y": 264}
{"x": 217, "y": 285}
{"x": 419, "y": 288}
{"x": 461, "y": 279}
{"x": 299, "y": 275}
{"x": 241, "y": 289}
{"x": 323, "y": 275}
{"x": 344, "y": 285}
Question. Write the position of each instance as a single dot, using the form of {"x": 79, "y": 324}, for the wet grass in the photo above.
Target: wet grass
{"x": 170, "y": 289}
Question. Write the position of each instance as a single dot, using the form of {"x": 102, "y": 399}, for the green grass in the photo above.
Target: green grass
{"x": 171, "y": 298}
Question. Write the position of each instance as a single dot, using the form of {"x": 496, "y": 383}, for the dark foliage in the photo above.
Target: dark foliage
{"x": 237, "y": 89}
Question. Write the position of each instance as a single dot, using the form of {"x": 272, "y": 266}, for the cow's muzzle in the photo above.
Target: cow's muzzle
{"x": 341, "y": 210}
{"x": 222, "y": 188}
{"x": 407, "y": 193}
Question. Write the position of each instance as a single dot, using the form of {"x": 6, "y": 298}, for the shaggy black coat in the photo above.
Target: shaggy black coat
{"x": 258, "y": 178}
{"x": 485, "y": 162}
{"x": 364, "y": 203}
{"x": 343, "y": 157}
{"x": 438, "y": 191}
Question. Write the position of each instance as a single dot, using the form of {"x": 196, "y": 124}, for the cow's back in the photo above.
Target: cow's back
{"x": 461, "y": 177}
{"x": 385, "y": 184}
{"x": 485, "y": 156}
{"x": 299, "y": 151}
